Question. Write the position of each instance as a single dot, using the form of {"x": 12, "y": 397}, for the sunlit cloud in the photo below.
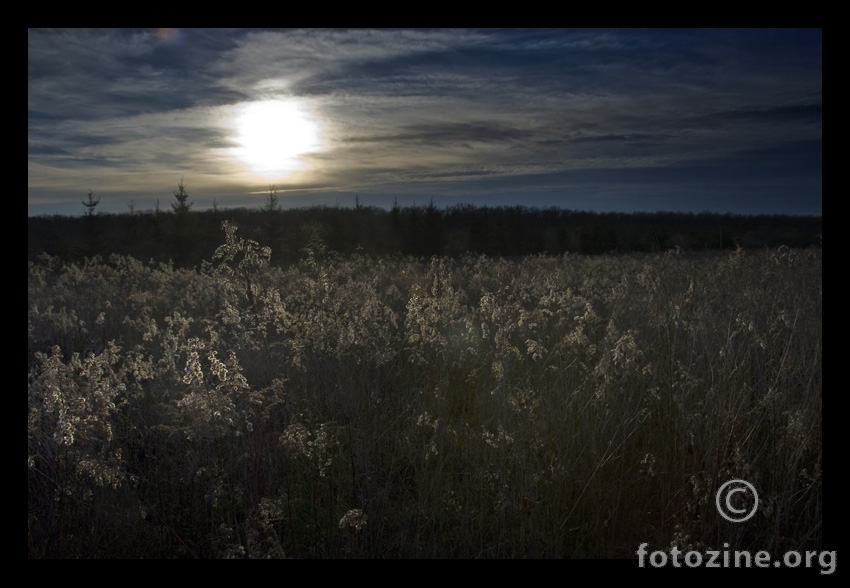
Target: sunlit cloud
{"x": 167, "y": 35}
{"x": 273, "y": 135}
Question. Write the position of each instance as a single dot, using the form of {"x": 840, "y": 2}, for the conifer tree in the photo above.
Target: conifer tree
{"x": 182, "y": 205}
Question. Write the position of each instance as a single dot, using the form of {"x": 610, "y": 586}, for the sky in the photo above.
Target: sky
{"x": 606, "y": 120}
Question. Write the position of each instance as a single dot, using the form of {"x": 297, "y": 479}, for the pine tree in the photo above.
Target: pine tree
{"x": 92, "y": 235}
{"x": 182, "y": 205}
{"x": 90, "y": 205}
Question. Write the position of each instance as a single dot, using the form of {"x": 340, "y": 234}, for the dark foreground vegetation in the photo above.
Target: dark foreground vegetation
{"x": 372, "y": 405}
{"x": 187, "y": 237}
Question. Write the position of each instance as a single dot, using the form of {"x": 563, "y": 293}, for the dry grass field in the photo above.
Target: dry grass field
{"x": 545, "y": 407}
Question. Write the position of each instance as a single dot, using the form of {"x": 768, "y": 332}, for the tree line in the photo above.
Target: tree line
{"x": 186, "y": 237}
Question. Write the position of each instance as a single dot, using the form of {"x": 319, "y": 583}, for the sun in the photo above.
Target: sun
{"x": 273, "y": 135}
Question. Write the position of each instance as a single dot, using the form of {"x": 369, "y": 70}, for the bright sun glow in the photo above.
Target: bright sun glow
{"x": 273, "y": 135}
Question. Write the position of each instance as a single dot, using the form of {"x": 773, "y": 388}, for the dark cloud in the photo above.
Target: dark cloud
{"x": 444, "y": 134}
{"x": 807, "y": 113}
{"x": 631, "y": 138}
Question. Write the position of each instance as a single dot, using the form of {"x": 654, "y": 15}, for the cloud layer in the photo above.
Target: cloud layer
{"x": 589, "y": 119}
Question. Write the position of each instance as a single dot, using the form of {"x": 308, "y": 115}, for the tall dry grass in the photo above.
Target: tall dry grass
{"x": 352, "y": 407}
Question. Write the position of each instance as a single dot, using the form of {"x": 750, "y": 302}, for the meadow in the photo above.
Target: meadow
{"x": 560, "y": 406}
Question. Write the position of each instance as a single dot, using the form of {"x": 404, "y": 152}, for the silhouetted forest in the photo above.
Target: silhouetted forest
{"x": 186, "y": 237}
